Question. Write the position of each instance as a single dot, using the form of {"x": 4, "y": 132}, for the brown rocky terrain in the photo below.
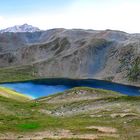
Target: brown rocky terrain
{"x": 76, "y": 53}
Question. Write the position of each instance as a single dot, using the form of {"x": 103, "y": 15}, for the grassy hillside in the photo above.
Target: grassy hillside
{"x": 76, "y": 114}
{"x": 6, "y": 92}
{"x": 17, "y": 73}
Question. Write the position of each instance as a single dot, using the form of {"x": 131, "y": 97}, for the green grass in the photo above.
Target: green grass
{"x": 28, "y": 126}
{"x": 18, "y": 117}
{"x": 6, "y": 92}
{"x": 22, "y": 73}
{"x": 134, "y": 72}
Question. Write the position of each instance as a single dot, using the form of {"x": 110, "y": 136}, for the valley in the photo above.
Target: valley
{"x": 69, "y": 84}
{"x": 69, "y": 70}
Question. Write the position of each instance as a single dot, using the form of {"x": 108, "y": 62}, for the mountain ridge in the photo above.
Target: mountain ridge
{"x": 72, "y": 53}
{"x": 21, "y": 28}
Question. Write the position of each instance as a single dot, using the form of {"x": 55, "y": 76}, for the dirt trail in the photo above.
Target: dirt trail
{"x": 61, "y": 134}
{"x": 103, "y": 129}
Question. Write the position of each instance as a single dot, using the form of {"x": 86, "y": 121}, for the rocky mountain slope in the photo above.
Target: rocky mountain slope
{"x": 21, "y": 28}
{"x": 76, "y": 114}
{"x": 76, "y": 53}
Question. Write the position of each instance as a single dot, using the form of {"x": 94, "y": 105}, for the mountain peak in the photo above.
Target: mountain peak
{"x": 21, "y": 28}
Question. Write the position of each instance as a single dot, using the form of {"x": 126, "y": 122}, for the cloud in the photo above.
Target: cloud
{"x": 1, "y": 19}
{"x": 118, "y": 16}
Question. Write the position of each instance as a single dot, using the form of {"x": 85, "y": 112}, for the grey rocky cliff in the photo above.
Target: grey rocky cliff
{"x": 76, "y": 53}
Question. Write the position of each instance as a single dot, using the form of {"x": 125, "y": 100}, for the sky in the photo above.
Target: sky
{"x": 121, "y": 15}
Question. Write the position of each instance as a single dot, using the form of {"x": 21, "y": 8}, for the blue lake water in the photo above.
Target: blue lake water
{"x": 39, "y": 88}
